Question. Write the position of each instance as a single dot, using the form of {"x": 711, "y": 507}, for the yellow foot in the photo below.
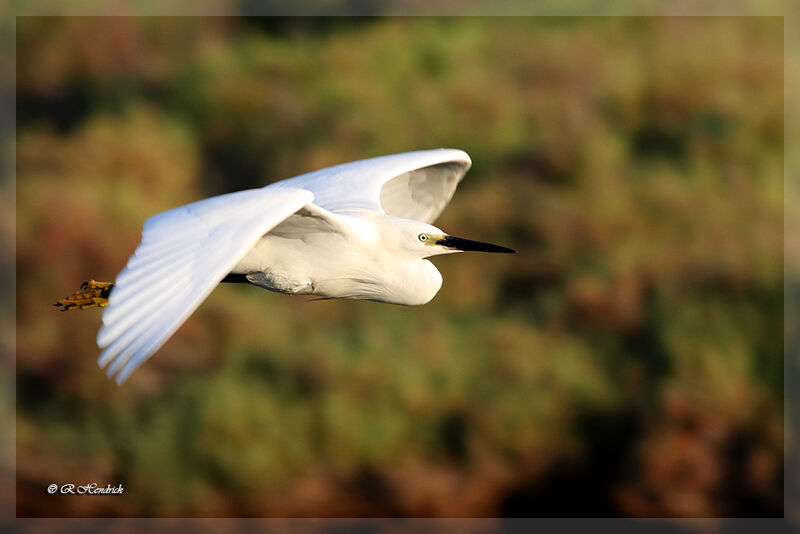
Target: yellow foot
{"x": 93, "y": 294}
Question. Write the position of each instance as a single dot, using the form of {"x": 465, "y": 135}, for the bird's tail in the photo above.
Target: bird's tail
{"x": 93, "y": 294}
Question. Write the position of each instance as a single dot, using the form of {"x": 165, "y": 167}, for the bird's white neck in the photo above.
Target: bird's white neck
{"x": 417, "y": 284}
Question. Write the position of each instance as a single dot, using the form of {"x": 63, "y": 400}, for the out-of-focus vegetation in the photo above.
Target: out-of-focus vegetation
{"x": 627, "y": 361}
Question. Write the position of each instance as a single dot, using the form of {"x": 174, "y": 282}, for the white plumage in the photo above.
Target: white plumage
{"x": 358, "y": 230}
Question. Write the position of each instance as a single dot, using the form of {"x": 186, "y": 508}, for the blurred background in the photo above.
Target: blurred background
{"x": 628, "y": 361}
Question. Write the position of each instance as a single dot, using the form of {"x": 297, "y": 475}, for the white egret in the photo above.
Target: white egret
{"x": 360, "y": 230}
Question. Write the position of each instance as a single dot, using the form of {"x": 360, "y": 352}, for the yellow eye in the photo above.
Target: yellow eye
{"x": 423, "y": 237}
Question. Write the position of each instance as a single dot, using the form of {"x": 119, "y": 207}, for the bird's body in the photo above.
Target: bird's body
{"x": 353, "y": 261}
{"x": 359, "y": 230}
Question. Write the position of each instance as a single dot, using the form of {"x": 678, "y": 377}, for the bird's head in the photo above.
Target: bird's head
{"x": 424, "y": 240}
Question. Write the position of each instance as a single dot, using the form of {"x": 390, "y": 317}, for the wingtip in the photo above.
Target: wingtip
{"x": 457, "y": 154}
{"x": 111, "y": 371}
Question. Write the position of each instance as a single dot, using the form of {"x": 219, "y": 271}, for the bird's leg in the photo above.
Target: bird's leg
{"x": 93, "y": 294}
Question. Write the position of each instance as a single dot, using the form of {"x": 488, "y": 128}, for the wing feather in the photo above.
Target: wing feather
{"x": 412, "y": 185}
{"x": 183, "y": 255}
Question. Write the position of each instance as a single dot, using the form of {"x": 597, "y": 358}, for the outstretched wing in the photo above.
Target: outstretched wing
{"x": 184, "y": 254}
{"x": 412, "y": 185}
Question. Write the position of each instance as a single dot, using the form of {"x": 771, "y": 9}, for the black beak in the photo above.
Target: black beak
{"x": 460, "y": 243}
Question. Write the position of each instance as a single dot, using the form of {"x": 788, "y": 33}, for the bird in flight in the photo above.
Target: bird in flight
{"x": 360, "y": 230}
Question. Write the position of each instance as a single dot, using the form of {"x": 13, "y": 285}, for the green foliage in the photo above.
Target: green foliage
{"x": 631, "y": 351}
